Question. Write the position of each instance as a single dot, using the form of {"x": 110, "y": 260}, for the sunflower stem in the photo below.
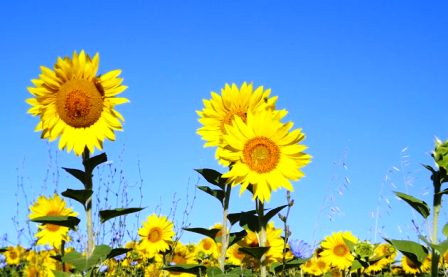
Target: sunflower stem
{"x": 261, "y": 235}
{"x": 88, "y": 206}
{"x": 437, "y": 203}
{"x": 224, "y": 233}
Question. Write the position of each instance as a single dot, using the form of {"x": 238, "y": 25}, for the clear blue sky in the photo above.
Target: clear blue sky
{"x": 364, "y": 79}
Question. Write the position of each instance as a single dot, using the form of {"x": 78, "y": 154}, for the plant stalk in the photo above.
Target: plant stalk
{"x": 261, "y": 235}
{"x": 437, "y": 203}
{"x": 224, "y": 232}
{"x": 88, "y": 206}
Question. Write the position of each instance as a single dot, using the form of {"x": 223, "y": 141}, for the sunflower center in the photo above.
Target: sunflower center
{"x": 155, "y": 235}
{"x": 178, "y": 259}
{"x": 227, "y": 120}
{"x": 321, "y": 265}
{"x": 340, "y": 250}
{"x": 207, "y": 244}
{"x": 79, "y": 103}
{"x": 261, "y": 154}
{"x": 52, "y": 227}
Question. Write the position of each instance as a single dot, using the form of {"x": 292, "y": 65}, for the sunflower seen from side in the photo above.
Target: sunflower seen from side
{"x": 336, "y": 251}
{"x": 75, "y": 104}
{"x": 265, "y": 154}
{"x": 50, "y": 234}
{"x": 233, "y": 102}
{"x": 156, "y": 235}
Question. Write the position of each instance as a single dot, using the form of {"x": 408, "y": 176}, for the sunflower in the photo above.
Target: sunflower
{"x": 49, "y": 233}
{"x": 384, "y": 254}
{"x": 264, "y": 153}
{"x": 208, "y": 247}
{"x": 336, "y": 251}
{"x": 410, "y": 267}
{"x": 315, "y": 266}
{"x": 156, "y": 234}
{"x": 222, "y": 109}
{"x": 274, "y": 241}
{"x": 77, "y": 105}
{"x": 234, "y": 256}
{"x": 182, "y": 255}
{"x": 14, "y": 255}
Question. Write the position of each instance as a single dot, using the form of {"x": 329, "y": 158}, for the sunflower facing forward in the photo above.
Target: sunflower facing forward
{"x": 336, "y": 251}
{"x": 156, "y": 235}
{"x": 264, "y": 153}
{"x": 49, "y": 233}
{"x": 77, "y": 105}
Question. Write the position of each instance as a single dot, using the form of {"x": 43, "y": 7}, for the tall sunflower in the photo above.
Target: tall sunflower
{"x": 77, "y": 105}
{"x": 49, "y": 233}
{"x": 264, "y": 153}
{"x": 233, "y": 102}
{"x": 156, "y": 234}
{"x": 336, "y": 251}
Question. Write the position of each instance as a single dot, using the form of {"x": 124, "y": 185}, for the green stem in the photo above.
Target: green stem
{"x": 88, "y": 206}
{"x": 261, "y": 235}
{"x": 437, "y": 203}
{"x": 224, "y": 233}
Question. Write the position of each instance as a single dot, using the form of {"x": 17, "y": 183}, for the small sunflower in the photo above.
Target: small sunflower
{"x": 182, "y": 255}
{"x": 50, "y": 234}
{"x": 77, "y": 105}
{"x": 316, "y": 266}
{"x": 233, "y": 102}
{"x": 264, "y": 153}
{"x": 410, "y": 267}
{"x": 156, "y": 235}
{"x": 208, "y": 247}
{"x": 234, "y": 256}
{"x": 335, "y": 250}
{"x": 274, "y": 241}
{"x": 384, "y": 255}
{"x": 14, "y": 254}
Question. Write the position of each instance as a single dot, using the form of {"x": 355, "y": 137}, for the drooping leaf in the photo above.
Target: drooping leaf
{"x": 235, "y": 217}
{"x": 256, "y": 252}
{"x": 82, "y": 263}
{"x": 108, "y": 214}
{"x": 192, "y": 268}
{"x": 236, "y": 237}
{"x": 211, "y": 233}
{"x": 66, "y": 221}
{"x": 80, "y": 195}
{"x": 217, "y": 193}
{"x": 420, "y": 206}
{"x": 94, "y": 161}
{"x": 213, "y": 177}
{"x": 117, "y": 252}
{"x": 272, "y": 213}
{"x": 78, "y": 174}
{"x": 412, "y": 250}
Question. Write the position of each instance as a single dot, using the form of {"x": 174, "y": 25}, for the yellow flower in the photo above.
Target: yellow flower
{"x": 208, "y": 247}
{"x": 264, "y": 153}
{"x": 274, "y": 241}
{"x": 77, "y": 105}
{"x": 384, "y": 255}
{"x": 182, "y": 255}
{"x": 49, "y": 233}
{"x": 234, "y": 256}
{"x": 222, "y": 109}
{"x": 156, "y": 234}
{"x": 410, "y": 268}
{"x": 13, "y": 255}
{"x": 315, "y": 266}
{"x": 335, "y": 250}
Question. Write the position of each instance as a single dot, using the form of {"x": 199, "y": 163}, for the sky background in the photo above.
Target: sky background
{"x": 367, "y": 81}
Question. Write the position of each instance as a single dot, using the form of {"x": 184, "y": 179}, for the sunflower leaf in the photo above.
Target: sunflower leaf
{"x": 412, "y": 250}
{"x": 108, "y": 214}
{"x": 117, "y": 252}
{"x": 217, "y": 193}
{"x": 211, "y": 233}
{"x": 80, "y": 195}
{"x": 94, "y": 161}
{"x": 272, "y": 213}
{"x": 445, "y": 230}
{"x": 294, "y": 263}
{"x": 236, "y": 237}
{"x": 235, "y": 217}
{"x": 61, "y": 274}
{"x": 213, "y": 177}
{"x": 193, "y": 268}
{"x": 78, "y": 174}
{"x": 249, "y": 221}
{"x": 256, "y": 252}
{"x": 420, "y": 206}
{"x": 66, "y": 221}
{"x": 82, "y": 263}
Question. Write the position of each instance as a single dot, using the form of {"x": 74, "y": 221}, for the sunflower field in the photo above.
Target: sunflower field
{"x": 263, "y": 154}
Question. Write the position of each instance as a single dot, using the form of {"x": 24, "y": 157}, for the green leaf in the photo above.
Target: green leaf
{"x": 3, "y": 250}
{"x": 420, "y": 206}
{"x": 108, "y": 214}
{"x": 235, "y": 217}
{"x": 61, "y": 274}
{"x": 213, "y": 177}
{"x": 256, "y": 252}
{"x": 294, "y": 263}
{"x": 236, "y": 237}
{"x": 238, "y": 272}
{"x": 445, "y": 230}
{"x": 78, "y": 174}
{"x": 66, "y": 221}
{"x": 80, "y": 195}
{"x": 211, "y": 233}
{"x": 94, "y": 161}
{"x": 414, "y": 251}
{"x": 272, "y": 213}
{"x": 187, "y": 268}
{"x": 214, "y": 271}
{"x": 249, "y": 221}
{"x": 82, "y": 263}
{"x": 117, "y": 252}
{"x": 218, "y": 194}
{"x": 430, "y": 168}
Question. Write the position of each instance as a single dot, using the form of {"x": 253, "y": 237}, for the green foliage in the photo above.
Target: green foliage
{"x": 211, "y": 233}
{"x": 420, "y": 206}
{"x": 80, "y": 195}
{"x": 236, "y": 237}
{"x": 235, "y": 217}
{"x": 256, "y": 252}
{"x": 213, "y": 177}
{"x": 193, "y": 269}
{"x": 217, "y": 193}
{"x": 445, "y": 230}
{"x": 109, "y": 214}
{"x": 82, "y": 263}
{"x": 78, "y": 174}
{"x": 66, "y": 221}
{"x": 293, "y": 263}
{"x": 272, "y": 213}
{"x": 440, "y": 154}
{"x": 414, "y": 251}
{"x": 94, "y": 161}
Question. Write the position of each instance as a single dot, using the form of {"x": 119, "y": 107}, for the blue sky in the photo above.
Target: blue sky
{"x": 366, "y": 80}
